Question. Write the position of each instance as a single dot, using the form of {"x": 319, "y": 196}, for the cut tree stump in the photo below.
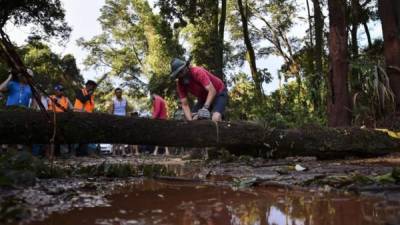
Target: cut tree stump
{"x": 27, "y": 127}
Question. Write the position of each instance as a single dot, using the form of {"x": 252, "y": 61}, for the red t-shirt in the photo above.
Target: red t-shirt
{"x": 159, "y": 108}
{"x": 199, "y": 78}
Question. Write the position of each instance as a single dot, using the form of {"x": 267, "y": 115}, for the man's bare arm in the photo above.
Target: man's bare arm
{"x": 3, "y": 86}
{"x": 186, "y": 109}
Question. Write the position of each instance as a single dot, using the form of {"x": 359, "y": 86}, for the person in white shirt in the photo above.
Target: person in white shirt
{"x": 119, "y": 104}
{"x": 120, "y": 107}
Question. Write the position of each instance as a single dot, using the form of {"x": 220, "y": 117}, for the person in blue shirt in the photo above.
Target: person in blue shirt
{"x": 18, "y": 91}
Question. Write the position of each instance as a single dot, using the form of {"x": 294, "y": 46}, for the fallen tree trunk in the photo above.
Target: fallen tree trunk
{"x": 26, "y": 127}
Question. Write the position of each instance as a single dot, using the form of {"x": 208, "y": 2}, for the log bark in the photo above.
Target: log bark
{"x": 26, "y": 127}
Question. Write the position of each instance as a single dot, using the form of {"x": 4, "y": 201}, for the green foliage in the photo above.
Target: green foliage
{"x": 242, "y": 98}
{"x": 282, "y": 107}
{"x": 46, "y": 14}
{"x": 136, "y": 45}
{"x": 296, "y": 103}
{"x": 203, "y": 41}
{"x": 197, "y": 22}
{"x": 292, "y": 108}
{"x": 51, "y": 68}
{"x": 374, "y": 98}
{"x": 104, "y": 95}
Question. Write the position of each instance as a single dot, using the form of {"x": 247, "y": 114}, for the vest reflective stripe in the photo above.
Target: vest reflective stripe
{"x": 88, "y": 106}
{"x": 61, "y": 101}
{"x": 119, "y": 107}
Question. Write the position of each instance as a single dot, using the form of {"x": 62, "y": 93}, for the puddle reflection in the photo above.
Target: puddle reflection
{"x": 154, "y": 202}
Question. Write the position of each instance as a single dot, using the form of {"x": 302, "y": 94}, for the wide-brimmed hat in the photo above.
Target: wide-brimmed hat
{"x": 176, "y": 66}
{"x": 90, "y": 82}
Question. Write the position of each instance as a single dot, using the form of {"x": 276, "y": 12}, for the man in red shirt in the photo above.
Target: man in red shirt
{"x": 159, "y": 112}
{"x": 210, "y": 91}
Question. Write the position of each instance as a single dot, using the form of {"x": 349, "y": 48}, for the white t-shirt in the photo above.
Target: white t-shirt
{"x": 120, "y": 107}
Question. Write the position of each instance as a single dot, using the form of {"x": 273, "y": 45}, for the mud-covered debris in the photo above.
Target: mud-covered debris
{"x": 239, "y": 183}
{"x": 356, "y": 179}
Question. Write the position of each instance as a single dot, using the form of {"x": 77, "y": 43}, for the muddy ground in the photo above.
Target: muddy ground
{"x": 85, "y": 181}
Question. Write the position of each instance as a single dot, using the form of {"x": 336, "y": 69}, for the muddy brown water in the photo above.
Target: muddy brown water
{"x": 185, "y": 203}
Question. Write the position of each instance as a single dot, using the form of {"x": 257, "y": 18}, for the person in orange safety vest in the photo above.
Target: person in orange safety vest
{"x": 59, "y": 102}
{"x": 85, "y": 98}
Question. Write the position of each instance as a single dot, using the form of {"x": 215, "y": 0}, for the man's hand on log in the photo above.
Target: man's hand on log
{"x": 204, "y": 114}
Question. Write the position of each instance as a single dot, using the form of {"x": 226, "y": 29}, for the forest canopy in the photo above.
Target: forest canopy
{"x": 337, "y": 69}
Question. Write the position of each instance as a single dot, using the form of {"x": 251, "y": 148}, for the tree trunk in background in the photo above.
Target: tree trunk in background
{"x": 319, "y": 46}
{"x": 27, "y": 127}
{"x": 310, "y": 23}
{"x": 355, "y": 15}
{"x": 339, "y": 108}
{"x": 388, "y": 11}
{"x": 205, "y": 48}
{"x": 355, "y": 18}
{"x": 366, "y": 29}
{"x": 214, "y": 45}
{"x": 314, "y": 90}
{"x": 221, "y": 30}
{"x": 250, "y": 51}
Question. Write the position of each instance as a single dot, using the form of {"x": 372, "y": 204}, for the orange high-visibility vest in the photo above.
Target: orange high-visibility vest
{"x": 88, "y": 106}
{"x": 62, "y": 101}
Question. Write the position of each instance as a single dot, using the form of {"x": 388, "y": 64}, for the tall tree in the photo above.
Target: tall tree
{"x": 314, "y": 92}
{"x": 318, "y": 49}
{"x": 354, "y": 22}
{"x": 244, "y": 12}
{"x": 221, "y": 31}
{"x": 339, "y": 107}
{"x": 275, "y": 19}
{"x": 389, "y": 11}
